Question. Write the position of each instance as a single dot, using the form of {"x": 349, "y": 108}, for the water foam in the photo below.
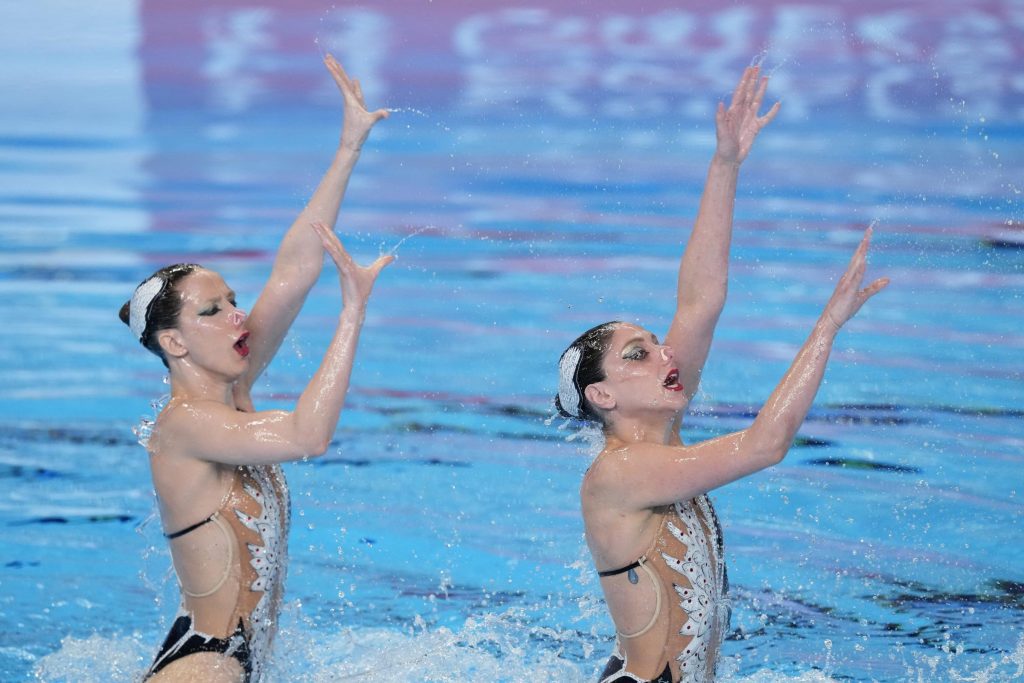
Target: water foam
{"x": 491, "y": 647}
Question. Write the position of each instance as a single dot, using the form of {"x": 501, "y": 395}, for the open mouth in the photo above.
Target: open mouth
{"x": 242, "y": 345}
{"x": 672, "y": 381}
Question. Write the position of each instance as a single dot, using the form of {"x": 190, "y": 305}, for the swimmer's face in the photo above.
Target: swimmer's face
{"x": 211, "y": 328}
{"x": 641, "y": 375}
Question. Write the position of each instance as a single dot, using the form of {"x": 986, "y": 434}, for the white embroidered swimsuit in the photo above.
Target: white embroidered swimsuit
{"x": 686, "y": 565}
{"x": 237, "y": 616}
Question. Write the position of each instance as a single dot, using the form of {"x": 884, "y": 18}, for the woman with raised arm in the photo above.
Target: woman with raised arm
{"x": 223, "y": 499}
{"x": 650, "y": 526}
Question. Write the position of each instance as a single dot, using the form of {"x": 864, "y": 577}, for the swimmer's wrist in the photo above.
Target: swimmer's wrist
{"x": 348, "y": 149}
{"x": 353, "y": 312}
{"x": 731, "y": 164}
{"x": 828, "y": 324}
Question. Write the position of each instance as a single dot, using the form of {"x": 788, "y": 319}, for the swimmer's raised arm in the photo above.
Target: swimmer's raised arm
{"x": 214, "y": 431}
{"x": 646, "y": 475}
{"x": 704, "y": 268}
{"x": 300, "y": 257}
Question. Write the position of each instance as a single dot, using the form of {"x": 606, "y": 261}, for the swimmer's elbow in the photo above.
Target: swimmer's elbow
{"x": 316, "y": 447}
{"x": 308, "y": 443}
{"x": 769, "y": 449}
{"x": 770, "y": 457}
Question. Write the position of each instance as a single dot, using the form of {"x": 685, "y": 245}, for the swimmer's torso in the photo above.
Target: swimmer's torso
{"x": 671, "y": 609}
{"x": 231, "y": 564}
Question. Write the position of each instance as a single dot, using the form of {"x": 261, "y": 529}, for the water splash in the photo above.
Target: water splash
{"x": 394, "y": 249}
{"x": 144, "y": 430}
{"x": 588, "y": 434}
{"x": 759, "y": 59}
{"x": 407, "y": 110}
{"x": 498, "y": 647}
{"x": 96, "y": 659}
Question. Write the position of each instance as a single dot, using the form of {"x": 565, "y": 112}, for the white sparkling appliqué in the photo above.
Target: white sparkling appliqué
{"x": 141, "y": 298}
{"x": 703, "y": 600}
{"x": 269, "y": 559}
{"x": 568, "y": 395}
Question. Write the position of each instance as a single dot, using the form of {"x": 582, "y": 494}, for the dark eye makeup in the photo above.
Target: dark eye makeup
{"x": 637, "y": 353}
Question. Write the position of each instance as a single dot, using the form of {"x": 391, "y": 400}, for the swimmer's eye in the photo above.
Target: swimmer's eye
{"x": 212, "y": 310}
{"x": 638, "y": 353}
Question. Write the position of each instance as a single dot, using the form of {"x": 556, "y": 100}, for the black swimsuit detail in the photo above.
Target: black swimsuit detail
{"x": 617, "y": 664}
{"x": 177, "y": 645}
{"x": 236, "y": 646}
{"x": 630, "y": 568}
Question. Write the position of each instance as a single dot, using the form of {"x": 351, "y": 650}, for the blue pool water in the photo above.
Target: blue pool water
{"x": 552, "y": 155}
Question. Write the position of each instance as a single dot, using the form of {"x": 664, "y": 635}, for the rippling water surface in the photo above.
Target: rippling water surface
{"x": 552, "y": 157}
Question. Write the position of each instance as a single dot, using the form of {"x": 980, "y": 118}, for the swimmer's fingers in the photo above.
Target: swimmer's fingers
{"x": 356, "y": 280}
{"x": 337, "y": 72}
{"x": 358, "y": 121}
{"x": 874, "y": 288}
{"x": 380, "y": 264}
{"x": 740, "y": 94}
{"x": 860, "y": 298}
{"x": 357, "y": 87}
{"x": 848, "y": 296}
{"x": 858, "y": 263}
{"x": 762, "y": 121}
{"x": 333, "y": 246}
{"x": 738, "y": 125}
{"x": 751, "y": 86}
{"x": 767, "y": 118}
{"x": 762, "y": 86}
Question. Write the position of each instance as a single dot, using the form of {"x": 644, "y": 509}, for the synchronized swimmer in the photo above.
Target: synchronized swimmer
{"x": 223, "y": 498}
{"x": 650, "y": 525}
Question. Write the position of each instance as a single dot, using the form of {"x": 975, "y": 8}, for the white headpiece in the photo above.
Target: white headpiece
{"x": 138, "y": 311}
{"x": 568, "y": 393}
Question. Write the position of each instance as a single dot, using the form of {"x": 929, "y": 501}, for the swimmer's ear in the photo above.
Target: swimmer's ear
{"x": 172, "y": 344}
{"x": 599, "y": 396}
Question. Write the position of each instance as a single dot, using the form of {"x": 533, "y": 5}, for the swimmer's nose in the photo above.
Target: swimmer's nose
{"x": 666, "y": 353}
{"x": 237, "y": 317}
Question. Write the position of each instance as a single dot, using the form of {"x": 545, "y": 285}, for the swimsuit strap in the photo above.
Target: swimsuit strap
{"x": 216, "y": 519}
{"x": 630, "y": 571}
{"x": 622, "y": 570}
{"x": 642, "y": 563}
{"x": 640, "y": 560}
{"x": 179, "y": 534}
{"x": 223, "y": 502}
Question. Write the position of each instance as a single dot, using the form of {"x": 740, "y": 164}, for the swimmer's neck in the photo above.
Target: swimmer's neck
{"x": 195, "y": 384}
{"x": 660, "y": 429}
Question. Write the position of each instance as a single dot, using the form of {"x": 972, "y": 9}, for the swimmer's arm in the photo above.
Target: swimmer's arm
{"x": 704, "y": 268}
{"x": 660, "y": 475}
{"x": 299, "y": 259}
{"x": 215, "y": 432}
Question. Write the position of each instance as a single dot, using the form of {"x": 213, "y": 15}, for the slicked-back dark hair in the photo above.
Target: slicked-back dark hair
{"x": 165, "y": 307}
{"x": 592, "y": 344}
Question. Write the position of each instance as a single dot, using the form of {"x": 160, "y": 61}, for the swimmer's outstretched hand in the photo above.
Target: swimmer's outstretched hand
{"x": 848, "y": 297}
{"x": 737, "y": 126}
{"x": 356, "y": 280}
{"x": 358, "y": 121}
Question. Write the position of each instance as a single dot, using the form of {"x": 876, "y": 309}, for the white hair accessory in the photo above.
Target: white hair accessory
{"x": 568, "y": 393}
{"x": 138, "y": 311}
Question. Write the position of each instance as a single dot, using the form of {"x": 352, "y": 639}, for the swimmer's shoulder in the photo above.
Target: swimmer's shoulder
{"x": 607, "y": 474}
{"x": 180, "y": 423}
